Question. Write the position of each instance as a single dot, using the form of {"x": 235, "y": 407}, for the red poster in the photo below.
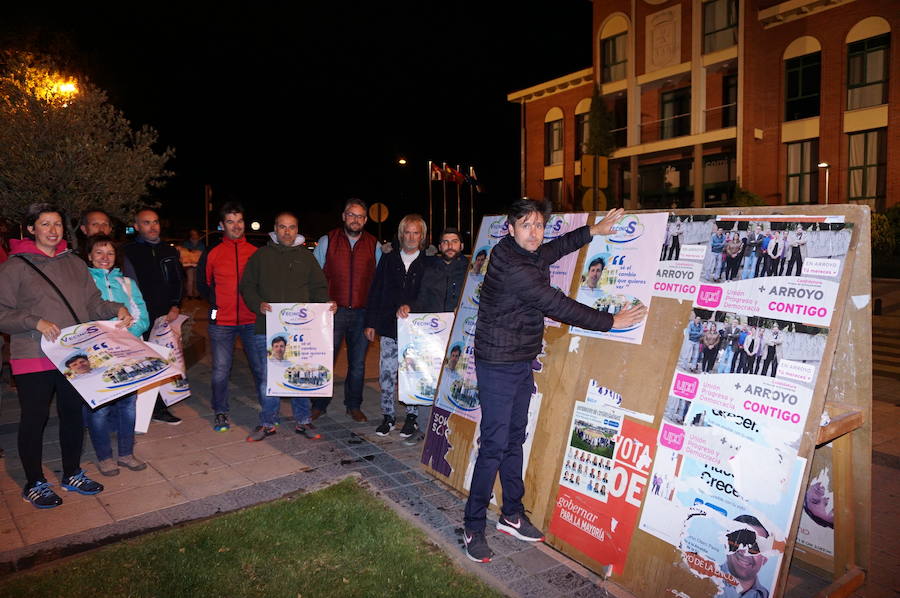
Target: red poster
{"x": 601, "y": 525}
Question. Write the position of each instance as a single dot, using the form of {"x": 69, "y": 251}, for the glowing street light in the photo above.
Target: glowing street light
{"x": 254, "y": 225}
{"x": 402, "y": 161}
{"x": 827, "y": 168}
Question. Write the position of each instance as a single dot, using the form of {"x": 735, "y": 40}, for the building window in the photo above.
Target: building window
{"x": 553, "y": 142}
{"x": 613, "y": 57}
{"x": 729, "y": 100}
{"x": 676, "y": 113}
{"x": 582, "y": 133}
{"x": 553, "y": 192}
{"x": 867, "y": 167}
{"x": 867, "y": 72}
{"x": 802, "y": 171}
{"x": 803, "y": 76}
{"x": 720, "y": 19}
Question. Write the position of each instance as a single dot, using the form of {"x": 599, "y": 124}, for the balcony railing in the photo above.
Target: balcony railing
{"x": 666, "y": 128}
{"x": 721, "y": 117}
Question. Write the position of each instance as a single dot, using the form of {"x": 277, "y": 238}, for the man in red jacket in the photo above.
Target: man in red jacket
{"x": 220, "y": 270}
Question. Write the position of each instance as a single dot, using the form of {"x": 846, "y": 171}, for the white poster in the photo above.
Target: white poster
{"x": 421, "y": 342}
{"x": 300, "y": 350}
{"x": 104, "y": 362}
{"x": 169, "y": 336}
{"x": 620, "y": 270}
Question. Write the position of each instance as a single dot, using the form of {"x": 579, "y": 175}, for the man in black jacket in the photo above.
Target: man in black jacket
{"x": 515, "y": 297}
{"x": 157, "y": 269}
{"x": 443, "y": 279}
{"x": 396, "y": 283}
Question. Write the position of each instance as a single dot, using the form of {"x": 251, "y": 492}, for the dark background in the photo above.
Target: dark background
{"x": 299, "y": 107}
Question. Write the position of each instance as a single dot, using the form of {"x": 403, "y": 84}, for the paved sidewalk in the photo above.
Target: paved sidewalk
{"x": 195, "y": 472}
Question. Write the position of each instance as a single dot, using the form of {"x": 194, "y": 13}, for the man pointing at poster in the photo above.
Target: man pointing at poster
{"x": 515, "y": 297}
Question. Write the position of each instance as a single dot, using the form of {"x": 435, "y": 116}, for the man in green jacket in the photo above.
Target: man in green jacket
{"x": 284, "y": 271}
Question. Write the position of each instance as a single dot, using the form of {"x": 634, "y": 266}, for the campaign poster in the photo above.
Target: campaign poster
{"x": 104, "y": 362}
{"x": 169, "y": 335}
{"x": 816, "y": 529}
{"x": 602, "y": 483}
{"x": 422, "y": 343}
{"x": 458, "y": 388}
{"x": 437, "y": 442}
{"x": 562, "y": 270}
{"x": 780, "y": 267}
{"x": 300, "y": 350}
{"x": 680, "y": 261}
{"x": 620, "y": 270}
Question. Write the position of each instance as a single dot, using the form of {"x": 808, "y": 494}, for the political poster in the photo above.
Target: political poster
{"x": 422, "y": 343}
{"x": 104, "y": 362}
{"x": 169, "y": 335}
{"x": 458, "y": 389}
{"x": 816, "y": 529}
{"x": 779, "y": 267}
{"x": 680, "y": 264}
{"x": 300, "y": 350}
{"x": 562, "y": 270}
{"x": 620, "y": 270}
{"x": 602, "y": 483}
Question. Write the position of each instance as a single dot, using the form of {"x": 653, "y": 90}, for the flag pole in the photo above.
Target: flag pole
{"x": 472, "y": 208}
{"x": 430, "y": 208}
{"x": 458, "y": 201}
{"x": 444, "y": 178}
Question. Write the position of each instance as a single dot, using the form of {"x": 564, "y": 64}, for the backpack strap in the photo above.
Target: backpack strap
{"x": 52, "y": 284}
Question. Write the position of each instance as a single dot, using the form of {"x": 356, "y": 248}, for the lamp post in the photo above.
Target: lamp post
{"x": 827, "y": 168}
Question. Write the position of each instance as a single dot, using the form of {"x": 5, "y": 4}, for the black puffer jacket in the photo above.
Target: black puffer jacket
{"x": 516, "y": 295}
{"x": 442, "y": 283}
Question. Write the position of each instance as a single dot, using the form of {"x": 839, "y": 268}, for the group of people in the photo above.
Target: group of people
{"x": 732, "y": 348}
{"x": 47, "y": 287}
{"x": 741, "y": 255}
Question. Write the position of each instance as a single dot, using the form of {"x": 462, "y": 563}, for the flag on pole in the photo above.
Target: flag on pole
{"x": 436, "y": 173}
{"x": 473, "y": 180}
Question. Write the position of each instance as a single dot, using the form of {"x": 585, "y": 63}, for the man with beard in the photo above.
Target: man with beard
{"x": 348, "y": 255}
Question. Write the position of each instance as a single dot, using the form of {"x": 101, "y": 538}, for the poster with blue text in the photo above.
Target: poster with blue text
{"x": 300, "y": 350}
{"x": 421, "y": 343}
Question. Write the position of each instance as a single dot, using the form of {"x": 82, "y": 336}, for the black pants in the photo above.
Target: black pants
{"x": 675, "y": 248}
{"x": 762, "y": 265}
{"x": 771, "y": 357}
{"x": 709, "y": 358}
{"x": 36, "y": 390}
{"x": 796, "y": 258}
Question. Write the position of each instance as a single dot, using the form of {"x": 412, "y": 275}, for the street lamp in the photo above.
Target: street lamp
{"x": 402, "y": 161}
{"x": 254, "y": 225}
{"x": 827, "y": 168}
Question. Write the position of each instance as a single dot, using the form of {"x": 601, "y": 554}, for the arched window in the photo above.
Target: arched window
{"x": 868, "y": 58}
{"x": 553, "y": 137}
{"x": 802, "y": 78}
{"x": 614, "y": 49}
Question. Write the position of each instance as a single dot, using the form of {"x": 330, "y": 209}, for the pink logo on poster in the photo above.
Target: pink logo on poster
{"x": 709, "y": 296}
{"x": 671, "y": 437}
{"x": 685, "y": 386}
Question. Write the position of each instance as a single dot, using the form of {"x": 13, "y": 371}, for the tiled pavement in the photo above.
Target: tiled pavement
{"x": 195, "y": 473}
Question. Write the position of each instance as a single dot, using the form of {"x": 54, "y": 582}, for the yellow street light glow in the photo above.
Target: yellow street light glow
{"x": 68, "y": 88}
{"x": 254, "y": 225}
{"x": 402, "y": 161}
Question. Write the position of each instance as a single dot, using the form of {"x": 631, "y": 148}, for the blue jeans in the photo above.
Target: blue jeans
{"x": 504, "y": 390}
{"x": 117, "y": 417}
{"x": 221, "y": 341}
{"x": 349, "y": 324}
{"x": 269, "y": 405}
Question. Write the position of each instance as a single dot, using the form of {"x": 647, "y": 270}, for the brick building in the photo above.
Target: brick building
{"x": 790, "y": 100}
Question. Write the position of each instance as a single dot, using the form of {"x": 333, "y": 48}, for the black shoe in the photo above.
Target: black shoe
{"x": 410, "y": 426}
{"x": 385, "y": 428}
{"x": 520, "y": 527}
{"x": 41, "y": 496}
{"x": 477, "y": 547}
{"x": 308, "y": 430}
{"x": 81, "y": 484}
{"x": 166, "y": 417}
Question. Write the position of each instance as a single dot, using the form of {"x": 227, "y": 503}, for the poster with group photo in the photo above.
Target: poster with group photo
{"x": 169, "y": 335}
{"x": 104, "y": 362}
{"x": 300, "y": 350}
{"x": 620, "y": 270}
{"x": 784, "y": 267}
{"x": 680, "y": 261}
{"x": 422, "y": 343}
{"x": 602, "y": 483}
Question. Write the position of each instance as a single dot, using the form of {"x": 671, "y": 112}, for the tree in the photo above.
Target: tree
{"x": 62, "y": 142}
{"x": 600, "y": 141}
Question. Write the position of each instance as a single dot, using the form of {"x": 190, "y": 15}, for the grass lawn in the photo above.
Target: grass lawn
{"x": 341, "y": 541}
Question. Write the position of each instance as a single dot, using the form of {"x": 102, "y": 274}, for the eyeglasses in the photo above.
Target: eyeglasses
{"x": 352, "y": 216}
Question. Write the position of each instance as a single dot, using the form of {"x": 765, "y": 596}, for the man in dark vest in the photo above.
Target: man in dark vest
{"x": 348, "y": 255}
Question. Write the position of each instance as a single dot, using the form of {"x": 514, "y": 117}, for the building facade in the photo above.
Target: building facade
{"x": 792, "y": 101}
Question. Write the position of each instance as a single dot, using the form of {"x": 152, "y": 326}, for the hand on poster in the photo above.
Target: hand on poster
{"x": 605, "y": 226}
{"x": 630, "y": 316}
{"x": 403, "y": 312}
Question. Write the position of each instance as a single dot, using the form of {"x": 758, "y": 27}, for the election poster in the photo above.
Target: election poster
{"x": 104, "y": 362}
{"x": 816, "y": 528}
{"x": 680, "y": 261}
{"x": 780, "y": 267}
{"x": 562, "y": 270}
{"x": 602, "y": 483}
{"x": 620, "y": 270}
{"x": 300, "y": 350}
{"x": 422, "y": 343}
{"x": 458, "y": 389}
{"x": 169, "y": 335}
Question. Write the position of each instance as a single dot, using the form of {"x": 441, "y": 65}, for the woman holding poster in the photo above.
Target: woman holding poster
{"x": 45, "y": 288}
{"x": 101, "y": 255}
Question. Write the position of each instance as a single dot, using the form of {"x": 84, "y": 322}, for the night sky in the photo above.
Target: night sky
{"x": 300, "y": 107}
